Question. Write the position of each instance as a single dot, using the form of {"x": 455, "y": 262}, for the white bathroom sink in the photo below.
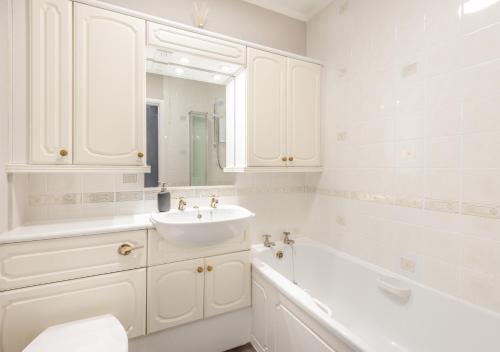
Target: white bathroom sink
{"x": 204, "y": 226}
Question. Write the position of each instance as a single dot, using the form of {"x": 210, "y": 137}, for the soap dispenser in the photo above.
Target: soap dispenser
{"x": 163, "y": 199}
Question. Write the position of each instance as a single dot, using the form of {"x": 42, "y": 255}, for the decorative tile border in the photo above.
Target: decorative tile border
{"x": 446, "y": 206}
{"x": 98, "y": 197}
{"x": 484, "y": 210}
{"x": 129, "y": 196}
{"x": 491, "y": 211}
{"x": 37, "y": 200}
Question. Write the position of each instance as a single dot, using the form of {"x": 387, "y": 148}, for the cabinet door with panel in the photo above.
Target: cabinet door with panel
{"x": 51, "y": 95}
{"x": 26, "y": 312}
{"x": 266, "y": 108}
{"x": 303, "y": 113}
{"x": 227, "y": 283}
{"x": 175, "y": 294}
{"x": 109, "y": 71}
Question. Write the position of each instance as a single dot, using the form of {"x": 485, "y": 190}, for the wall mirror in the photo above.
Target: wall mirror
{"x": 187, "y": 105}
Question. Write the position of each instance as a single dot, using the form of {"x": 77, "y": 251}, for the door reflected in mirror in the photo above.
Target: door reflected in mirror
{"x": 186, "y": 121}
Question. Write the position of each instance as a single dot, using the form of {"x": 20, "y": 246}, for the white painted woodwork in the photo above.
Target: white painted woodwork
{"x": 61, "y": 169}
{"x": 175, "y": 294}
{"x": 161, "y": 251}
{"x": 275, "y": 169}
{"x": 51, "y": 81}
{"x": 194, "y": 43}
{"x": 39, "y": 262}
{"x": 109, "y": 74}
{"x": 26, "y": 312}
{"x": 303, "y": 113}
{"x": 293, "y": 335}
{"x": 266, "y": 108}
{"x": 261, "y": 317}
{"x": 227, "y": 286}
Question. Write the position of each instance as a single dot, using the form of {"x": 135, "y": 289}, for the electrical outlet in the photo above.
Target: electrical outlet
{"x": 129, "y": 178}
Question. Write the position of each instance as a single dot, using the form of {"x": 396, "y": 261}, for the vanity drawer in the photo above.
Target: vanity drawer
{"x": 39, "y": 262}
{"x": 26, "y": 312}
{"x": 161, "y": 251}
{"x": 194, "y": 43}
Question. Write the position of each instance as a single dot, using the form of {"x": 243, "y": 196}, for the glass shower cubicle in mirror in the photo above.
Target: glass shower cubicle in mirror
{"x": 186, "y": 119}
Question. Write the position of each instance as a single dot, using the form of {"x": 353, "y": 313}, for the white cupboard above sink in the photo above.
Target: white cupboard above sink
{"x": 279, "y": 130}
{"x": 80, "y": 103}
{"x": 110, "y": 78}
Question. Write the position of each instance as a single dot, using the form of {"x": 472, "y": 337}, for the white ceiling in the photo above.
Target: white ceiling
{"x": 299, "y": 9}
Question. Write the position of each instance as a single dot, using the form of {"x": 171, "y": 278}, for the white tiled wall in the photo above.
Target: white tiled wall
{"x": 277, "y": 199}
{"x": 411, "y": 107}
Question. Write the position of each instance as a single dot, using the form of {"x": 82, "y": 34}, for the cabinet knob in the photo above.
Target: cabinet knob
{"x": 210, "y": 268}
{"x": 199, "y": 269}
{"x": 140, "y": 154}
{"x": 63, "y": 152}
{"x": 127, "y": 248}
{"x": 290, "y": 158}
{"x": 283, "y": 158}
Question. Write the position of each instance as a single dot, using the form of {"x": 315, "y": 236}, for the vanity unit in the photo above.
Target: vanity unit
{"x": 148, "y": 283}
{"x": 85, "y": 93}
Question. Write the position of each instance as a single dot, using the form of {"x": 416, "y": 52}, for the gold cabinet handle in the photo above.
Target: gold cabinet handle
{"x": 283, "y": 158}
{"x": 290, "y": 158}
{"x": 127, "y": 248}
{"x": 140, "y": 154}
{"x": 210, "y": 268}
{"x": 63, "y": 152}
{"x": 199, "y": 269}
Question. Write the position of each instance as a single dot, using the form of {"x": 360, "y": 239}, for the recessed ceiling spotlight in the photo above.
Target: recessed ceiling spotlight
{"x": 225, "y": 68}
{"x": 179, "y": 71}
{"x": 217, "y": 78}
{"x": 184, "y": 60}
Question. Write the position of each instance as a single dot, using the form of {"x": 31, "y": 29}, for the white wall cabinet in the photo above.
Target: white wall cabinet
{"x": 193, "y": 43}
{"x": 26, "y": 312}
{"x": 182, "y": 292}
{"x": 109, "y": 94}
{"x": 303, "y": 114}
{"x": 266, "y": 109}
{"x": 51, "y": 72}
{"x": 175, "y": 294}
{"x": 280, "y": 128}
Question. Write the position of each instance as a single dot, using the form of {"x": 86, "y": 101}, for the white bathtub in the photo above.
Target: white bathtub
{"x": 340, "y": 303}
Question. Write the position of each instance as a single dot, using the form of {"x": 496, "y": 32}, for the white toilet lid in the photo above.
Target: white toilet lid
{"x": 99, "y": 334}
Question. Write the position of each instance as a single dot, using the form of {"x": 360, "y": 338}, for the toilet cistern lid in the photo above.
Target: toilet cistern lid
{"x": 98, "y": 334}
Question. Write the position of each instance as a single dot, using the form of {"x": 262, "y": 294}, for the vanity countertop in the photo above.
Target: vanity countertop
{"x": 77, "y": 227}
